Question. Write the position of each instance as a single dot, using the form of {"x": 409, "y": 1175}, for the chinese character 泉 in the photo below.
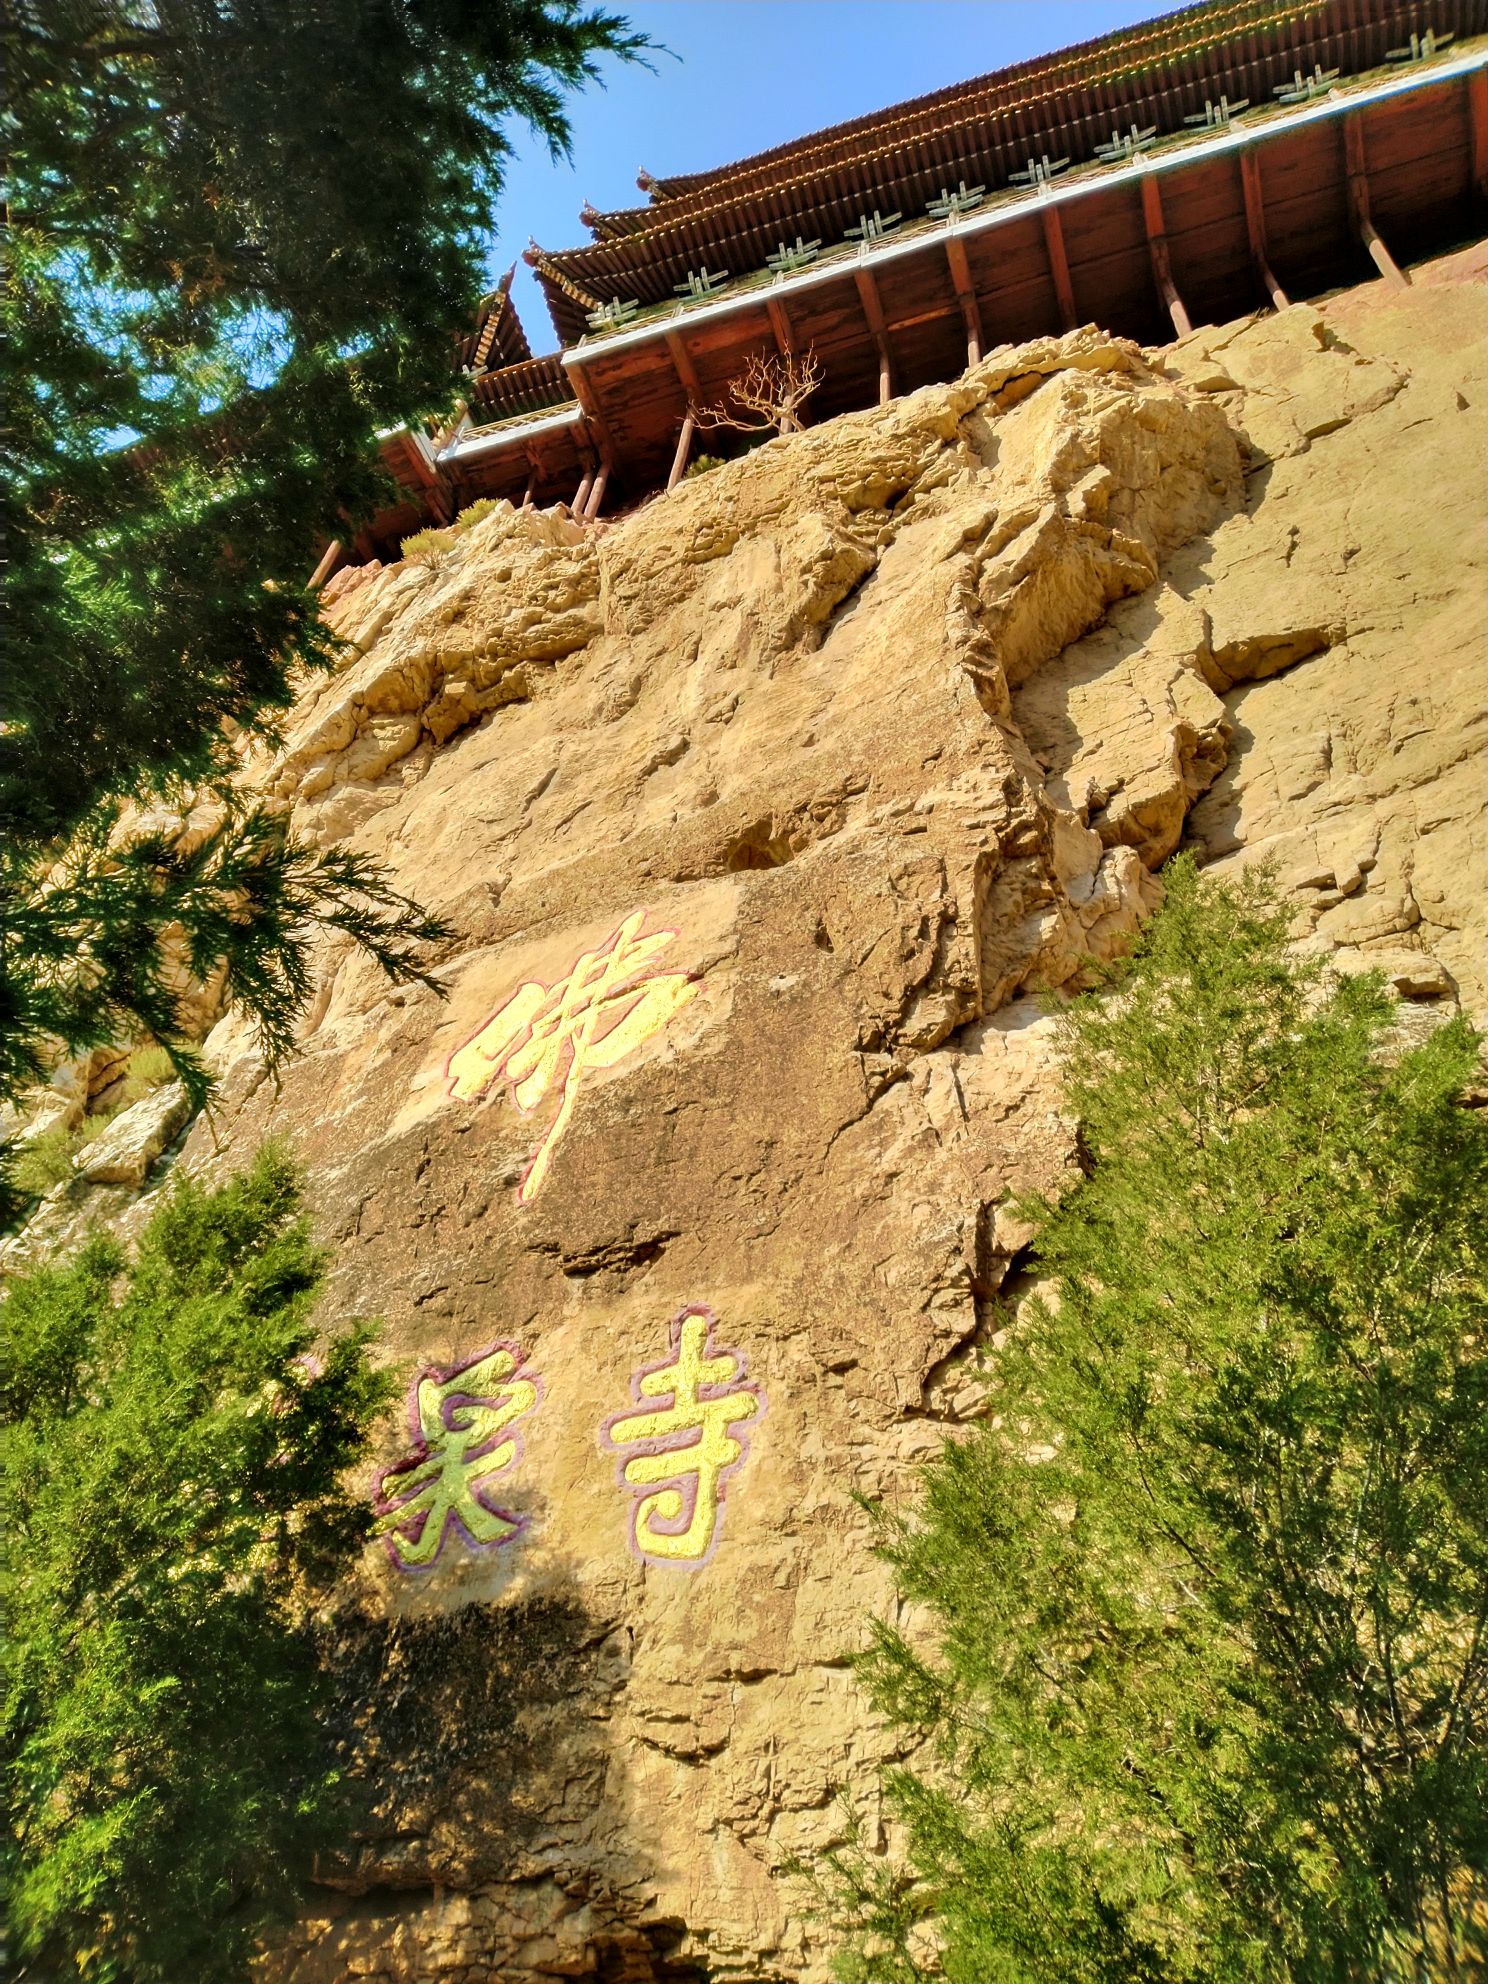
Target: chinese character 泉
{"x": 461, "y": 1419}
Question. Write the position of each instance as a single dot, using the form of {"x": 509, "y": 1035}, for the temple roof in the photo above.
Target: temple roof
{"x": 536, "y": 385}
{"x": 729, "y": 219}
{"x": 496, "y": 338}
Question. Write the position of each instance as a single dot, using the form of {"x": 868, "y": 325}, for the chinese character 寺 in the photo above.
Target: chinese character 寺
{"x": 461, "y": 1419}
{"x": 681, "y": 1440}
{"x": 547, "y": 1037}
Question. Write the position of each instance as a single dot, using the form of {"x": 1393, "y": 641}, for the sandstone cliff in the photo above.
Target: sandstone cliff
{"x": 773, "y": 818}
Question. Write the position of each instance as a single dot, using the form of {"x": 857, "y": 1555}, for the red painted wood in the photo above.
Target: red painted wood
{"x": 966, "y": 297}
{"x": 1064, "y": 289}
{"x": 1157, "y": 248}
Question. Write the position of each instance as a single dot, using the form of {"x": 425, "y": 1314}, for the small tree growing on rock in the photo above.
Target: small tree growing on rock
{"x": 767, "y": 396}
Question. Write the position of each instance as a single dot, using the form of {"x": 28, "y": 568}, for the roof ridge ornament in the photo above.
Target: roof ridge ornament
{"x": 1218, "y": 116}
{"x": 872, "y": 227}
{"x": 701, "y": 284}
{"x": 1122, "y": 146}
{"x": 1039, "y": 171}
{"x": 614, "y": 315}
{"x": 1302, "y": 89}
{"x": 950, "y": 206}
{"x": 789, "y": 257}
{"x": 1422, "y": 47}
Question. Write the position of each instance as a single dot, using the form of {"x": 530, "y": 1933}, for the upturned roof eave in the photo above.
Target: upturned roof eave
{"x": 902, "y": 122}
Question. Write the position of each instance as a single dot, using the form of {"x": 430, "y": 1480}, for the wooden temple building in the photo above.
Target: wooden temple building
{"x": 1231, "y": 156}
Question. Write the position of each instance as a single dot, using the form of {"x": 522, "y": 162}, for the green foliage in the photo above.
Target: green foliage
{"x": 44, "y": 1160}
{"x": 147, "y": 1069}
{"x": 1209, "y": 1589}
{"x": 239, "y": 241}
{"x": 476, "y": 513}
{"x": 427, "y": 547}
{"x": 173, "y": 1460}
{"x": 83, "y": 961}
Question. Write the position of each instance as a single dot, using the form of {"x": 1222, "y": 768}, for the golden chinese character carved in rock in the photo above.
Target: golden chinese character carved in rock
{"x": 546, "y": 1038}
{"x": 462, "y": 1419}
{"x": 682, "y": 1440}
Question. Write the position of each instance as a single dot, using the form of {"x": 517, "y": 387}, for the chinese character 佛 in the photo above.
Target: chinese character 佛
{"x": 461, "y": 1419}
{"x": 546, "y": 1038}
{"x": 681, "y": 1441}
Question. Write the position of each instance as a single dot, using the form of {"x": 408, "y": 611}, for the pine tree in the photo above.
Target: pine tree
{"x": 176, "y": 1437}
{"x": 1208, "y": 1591}
{"x": 243, "y": 235}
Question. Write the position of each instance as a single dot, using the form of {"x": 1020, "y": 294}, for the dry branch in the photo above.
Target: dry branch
{"x": 771, "y": 389}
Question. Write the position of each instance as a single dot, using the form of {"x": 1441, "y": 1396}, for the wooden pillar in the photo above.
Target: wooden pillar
{"x": 534, "y": 474}
{"x": 684, "y": 449}
{"x": 1255, "y": 225}
{"x": 780, "y": 325}
{"x": 1157, "y": 248}
{"x": 426, "y": 473}
{"x": 595, "y": 428}
{"x": 1358, "y": 181}
{"x": 1477, "y": 104}
{"x": 596, "y": 494}
{"x": 329, "y": 559}
{"x": 873, "y": 311}
{"x": 971, "y": 316}
{"x": 581, "y": 494}
{"x": 1064, "y": 289}
{"x": 685, "y": 369}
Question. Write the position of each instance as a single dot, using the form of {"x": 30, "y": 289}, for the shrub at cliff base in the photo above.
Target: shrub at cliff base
{"x": 173, "y": 1458}
{"x": 1209, "y": 1586}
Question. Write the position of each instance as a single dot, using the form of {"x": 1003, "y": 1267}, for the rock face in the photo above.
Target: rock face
{"x": 773, "y": 818}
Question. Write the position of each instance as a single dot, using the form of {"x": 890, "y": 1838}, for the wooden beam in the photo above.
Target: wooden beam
{"x": 780, "y": 325}
{"x": 596, "y": 494}
{"x": 1157, "y": 249}
{"x": 1255, "y": 225}
{"x": 1477, "y": 104}
{"x": 971, "y": 316}
{"x": 1358, "y": 180}
{"x": 685, "y": 369}
{"x": 684, "y": 449}
{"x": 588, "y": 398}
{"x": 330, "y": 557}
{"x": 873, "y": 311}
{"x": 1064, "y": 289}
{"x": 427, "y": 475}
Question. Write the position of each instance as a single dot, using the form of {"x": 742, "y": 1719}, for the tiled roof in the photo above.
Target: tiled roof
{"x": 730, "y": 219}
{"x": 496, "y": 338}
{"x": 537, "y": 385}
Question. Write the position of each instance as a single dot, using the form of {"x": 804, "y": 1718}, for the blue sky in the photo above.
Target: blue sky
{"x": 744, "y": 75}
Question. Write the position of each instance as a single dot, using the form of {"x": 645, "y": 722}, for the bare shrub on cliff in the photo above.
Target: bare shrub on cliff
{"x": 767, "y": 396}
